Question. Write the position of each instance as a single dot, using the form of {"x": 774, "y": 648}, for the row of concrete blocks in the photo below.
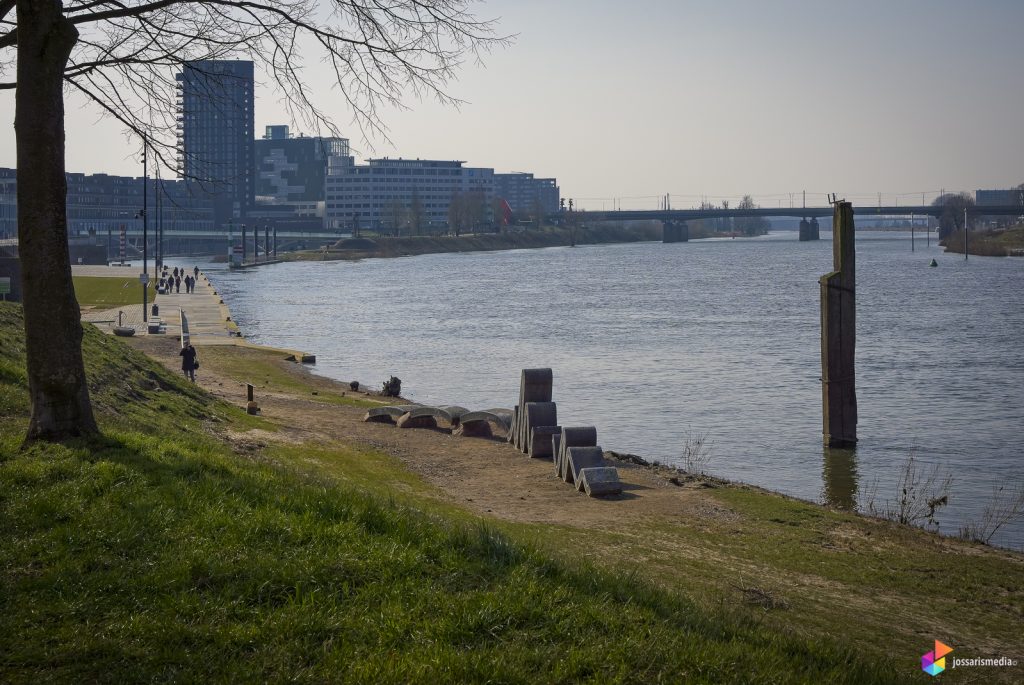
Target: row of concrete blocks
{"x": 461, "y": 420}
{"x": 534, "y": 430}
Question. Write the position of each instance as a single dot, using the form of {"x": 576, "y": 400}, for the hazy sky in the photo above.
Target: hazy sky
{"x": 636, "y": 99}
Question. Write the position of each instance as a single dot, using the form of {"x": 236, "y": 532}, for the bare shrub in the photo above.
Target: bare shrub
{"x": 1006, "y": 505}
{"x": 696, "y": 453}
{"x": 920, "y": 492}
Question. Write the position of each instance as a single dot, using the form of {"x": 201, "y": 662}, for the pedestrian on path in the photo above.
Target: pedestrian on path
{"x": 195, "y": 271}
{"x": 189, "y": 284}
{"x": 189, "y": 363}
{"x": 177, "y": 284}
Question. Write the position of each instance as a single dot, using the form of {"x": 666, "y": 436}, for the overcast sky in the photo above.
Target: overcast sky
{"x": 636, "y": 99}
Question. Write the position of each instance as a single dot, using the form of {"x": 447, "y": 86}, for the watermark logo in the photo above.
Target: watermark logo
{"x": 934, "y": 662}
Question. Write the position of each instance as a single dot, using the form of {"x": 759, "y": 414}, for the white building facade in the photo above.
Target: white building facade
{"x": 377, "y": 194}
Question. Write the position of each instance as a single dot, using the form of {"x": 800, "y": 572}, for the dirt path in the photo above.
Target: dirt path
{"x": 484, "y": 475}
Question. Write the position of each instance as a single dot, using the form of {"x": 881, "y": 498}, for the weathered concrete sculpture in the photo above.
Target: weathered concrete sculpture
{"x": 579, "y": 458}
{"x": 599, "y": 481}
{"x": 540, "y": 441}
{"x": 449, "y": 413}
{"x": 477, "y": 424}
{"x": 421, "y": 421}
{"x": 534, "y": 386}
{"x": 575, "y": 436}
{"x": 387, "y": 414}
{"x": 536, "y": 415}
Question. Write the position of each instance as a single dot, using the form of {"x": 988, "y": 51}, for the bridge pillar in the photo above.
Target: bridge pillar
{"x": 809, "y": 230}
{"x": 675, "y": 232}
{"x": 838, "y": 335}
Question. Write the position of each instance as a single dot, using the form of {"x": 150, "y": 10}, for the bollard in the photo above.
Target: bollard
{"x": 250, "y": 393}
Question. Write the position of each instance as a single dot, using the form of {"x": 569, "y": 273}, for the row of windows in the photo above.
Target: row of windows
{"x": 404, "y": 171}
{"x": 442, "y": 206}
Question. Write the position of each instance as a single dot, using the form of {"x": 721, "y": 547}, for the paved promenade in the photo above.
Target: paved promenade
{"x": 208, "y": 319}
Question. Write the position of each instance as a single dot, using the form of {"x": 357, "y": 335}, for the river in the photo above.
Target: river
{"x": 652, "y": 342}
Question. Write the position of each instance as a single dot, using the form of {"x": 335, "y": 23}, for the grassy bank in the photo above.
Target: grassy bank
{"x": 991, "y": 243}
{"x": 107, "y": 293}
{"x": 176, "y": 549}
{"x": 507, "y": 240}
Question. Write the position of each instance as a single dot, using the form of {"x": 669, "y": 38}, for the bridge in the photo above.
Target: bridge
{"x": 795, "y": 212}
{"x": 675, "y": 230}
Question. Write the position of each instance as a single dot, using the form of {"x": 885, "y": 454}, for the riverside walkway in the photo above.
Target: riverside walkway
{"x": 209, "y": 320}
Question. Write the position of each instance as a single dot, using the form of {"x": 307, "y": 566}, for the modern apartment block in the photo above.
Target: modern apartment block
{"x": 376, "y": 194}
{"x": 290, "y": 171}
{"x": 99, "y": 204}
{"x": 990, "y": 198}
{"x": 523, "y": 192}
{"x": 216, "y": 138}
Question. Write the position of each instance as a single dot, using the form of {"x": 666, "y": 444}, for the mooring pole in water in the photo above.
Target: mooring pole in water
{"x": 839, "y": 334}
{"x": 965, "y": 235}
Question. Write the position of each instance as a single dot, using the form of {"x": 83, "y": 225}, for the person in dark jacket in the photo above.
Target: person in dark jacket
{"x": 189, "y": 361}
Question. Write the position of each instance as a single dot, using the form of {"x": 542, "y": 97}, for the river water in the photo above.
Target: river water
{"x": 652, "y": 342}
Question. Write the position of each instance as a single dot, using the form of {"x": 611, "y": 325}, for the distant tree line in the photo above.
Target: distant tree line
{"x": 743, "y": 225}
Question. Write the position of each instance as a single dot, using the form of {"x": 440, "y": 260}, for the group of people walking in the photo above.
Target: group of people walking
{"x": 170, "y": 281}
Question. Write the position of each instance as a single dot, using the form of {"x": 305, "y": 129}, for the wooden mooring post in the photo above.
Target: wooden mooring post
{"x": 250, "y": 394}
{"x": 839, "y": 334}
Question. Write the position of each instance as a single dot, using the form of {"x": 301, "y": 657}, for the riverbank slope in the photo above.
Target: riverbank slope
{"x": 1008, "y": 242}
{"x": 406, "y": 246}
{"x": 195, "y": 542}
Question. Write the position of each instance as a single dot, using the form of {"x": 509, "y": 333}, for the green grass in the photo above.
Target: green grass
{"x": 264, "y": 369}
{"x": 159, "y": 553}
{"x": 107, "y": 293}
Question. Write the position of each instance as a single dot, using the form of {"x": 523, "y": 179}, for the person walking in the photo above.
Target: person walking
{"x": 190, "y": 284}
{"x": 189, "y": 363}
{"x": 195, "y": 271}
{"x": 177, "y": 284}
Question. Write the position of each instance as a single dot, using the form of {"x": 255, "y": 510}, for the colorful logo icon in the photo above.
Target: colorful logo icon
{"x": 934, "y": 663}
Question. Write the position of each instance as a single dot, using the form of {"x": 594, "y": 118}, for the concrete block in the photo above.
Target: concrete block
{"x": 536, "y": 414}
{"x": 573, "y": 436}
{"x": 540, "y": 441}
{"x": 389, "y": 414}
{"x": 407, "y": 421}
{"x": 601, "y": 481}
{"x": 474, "y": 429}
{"x": 535, "y": 385}
{"x": 513, "y": 429}
{"x": 579, "y": 458}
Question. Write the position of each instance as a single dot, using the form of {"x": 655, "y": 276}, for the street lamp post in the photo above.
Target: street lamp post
{"x": 144, "y": 276}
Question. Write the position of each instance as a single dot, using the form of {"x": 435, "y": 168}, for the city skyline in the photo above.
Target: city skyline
{"x": 695, "y": 101}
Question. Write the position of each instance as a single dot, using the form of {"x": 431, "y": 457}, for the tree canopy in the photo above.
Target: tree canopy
{"x": 124, "y": 56}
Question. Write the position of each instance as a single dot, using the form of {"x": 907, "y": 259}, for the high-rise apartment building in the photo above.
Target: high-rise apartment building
{"x": 216, "y": 140}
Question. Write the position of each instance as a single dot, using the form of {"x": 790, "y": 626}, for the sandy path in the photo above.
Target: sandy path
{"x": 484, "y": 475}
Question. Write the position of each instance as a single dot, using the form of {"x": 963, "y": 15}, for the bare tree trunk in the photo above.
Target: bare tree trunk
{"x": 53, "y": 330}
